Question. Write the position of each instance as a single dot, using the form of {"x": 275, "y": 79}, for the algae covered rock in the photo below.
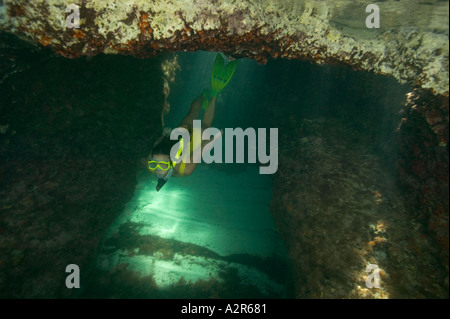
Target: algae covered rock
{"x": 411, "y": 43}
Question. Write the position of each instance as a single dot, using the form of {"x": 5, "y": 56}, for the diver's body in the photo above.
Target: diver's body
{"x": 159, "y": 161}
{"x": 207, "y": 120}
{"x": 186, "y": 168}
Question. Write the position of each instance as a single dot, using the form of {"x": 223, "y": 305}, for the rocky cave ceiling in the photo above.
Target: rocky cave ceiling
{"x": 411, "y": 44}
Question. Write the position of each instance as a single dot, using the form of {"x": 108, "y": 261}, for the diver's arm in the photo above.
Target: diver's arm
{"x": 206, "y": 145}
{"x": 184, "y": 169}
{"x": 189, "y": 168}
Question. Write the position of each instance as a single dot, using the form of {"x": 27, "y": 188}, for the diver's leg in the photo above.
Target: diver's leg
{"x": 194, "y": 111}
{"x": 208, "y": 117}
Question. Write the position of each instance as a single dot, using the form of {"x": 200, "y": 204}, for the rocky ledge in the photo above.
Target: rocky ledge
{"x": 411, "y": 44}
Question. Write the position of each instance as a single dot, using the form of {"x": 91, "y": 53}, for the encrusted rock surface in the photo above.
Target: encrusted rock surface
{"x": 346, "y": 214}
{"x": 423, "y": 138}
{"x": 411, "y": 45}
{"x": 338, "y": 202}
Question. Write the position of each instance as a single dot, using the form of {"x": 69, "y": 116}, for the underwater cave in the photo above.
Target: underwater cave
{"x": 361, "y": 176}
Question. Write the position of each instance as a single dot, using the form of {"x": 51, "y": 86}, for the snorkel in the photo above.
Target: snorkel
{"x": 163, "y": 180}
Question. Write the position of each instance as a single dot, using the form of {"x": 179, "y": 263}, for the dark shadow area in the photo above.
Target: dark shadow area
{"x": 73, "y": 133}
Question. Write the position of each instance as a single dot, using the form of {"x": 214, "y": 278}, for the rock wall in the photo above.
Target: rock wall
{"x": 411, "y": 44}
{"x": 337, "y": 198}
{"x": 70, "y": 143}
{"x": 423, "y": 138}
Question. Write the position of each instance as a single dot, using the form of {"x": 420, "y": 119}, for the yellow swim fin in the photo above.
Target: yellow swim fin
{"x": 221, "y": 74}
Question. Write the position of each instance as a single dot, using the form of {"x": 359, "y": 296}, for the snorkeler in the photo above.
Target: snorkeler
{"x": 159, "y": 161}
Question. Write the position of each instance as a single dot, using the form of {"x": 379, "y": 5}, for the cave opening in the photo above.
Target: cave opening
{"x": 73, "y": 132}
{"x": 336, "y": 194}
